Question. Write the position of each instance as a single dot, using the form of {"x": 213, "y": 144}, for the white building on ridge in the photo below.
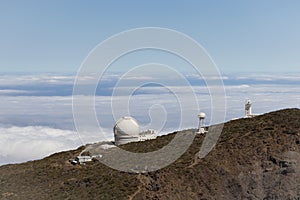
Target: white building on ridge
{"x": 248, "y": 109}
{"x": 127, "y": 129}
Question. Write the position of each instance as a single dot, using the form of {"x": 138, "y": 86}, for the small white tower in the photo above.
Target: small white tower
{"x": 248, "y": 110}
{"x": 201, "y": 117}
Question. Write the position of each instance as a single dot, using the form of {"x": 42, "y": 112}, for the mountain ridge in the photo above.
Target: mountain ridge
{"x": 255, "y": 158}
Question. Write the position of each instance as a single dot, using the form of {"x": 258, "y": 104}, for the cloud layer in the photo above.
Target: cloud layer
{"x": 33, "y": 126}
{"x": 20, "y": 144}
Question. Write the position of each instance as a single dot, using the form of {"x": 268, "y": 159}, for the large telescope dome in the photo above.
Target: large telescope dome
{"x": 126, "y": 130}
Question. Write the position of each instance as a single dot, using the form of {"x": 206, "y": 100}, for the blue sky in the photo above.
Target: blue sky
{"x": 241, "y": 36}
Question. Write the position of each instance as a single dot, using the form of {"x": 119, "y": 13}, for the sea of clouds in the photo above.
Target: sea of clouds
{"x": 36, "y": 117}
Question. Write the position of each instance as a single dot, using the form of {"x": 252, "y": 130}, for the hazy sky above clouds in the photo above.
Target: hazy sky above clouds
{"x": 47, "y": 36}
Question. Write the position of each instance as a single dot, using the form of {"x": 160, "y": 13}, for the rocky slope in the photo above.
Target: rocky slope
{"x": 256, "y": 158}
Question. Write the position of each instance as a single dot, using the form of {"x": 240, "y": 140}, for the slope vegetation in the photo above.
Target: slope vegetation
{"x": 256, "y": 158}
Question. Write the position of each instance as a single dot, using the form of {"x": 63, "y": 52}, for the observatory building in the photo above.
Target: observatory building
{"x": 248, "y": 110}
{"x": 127, "y": 129}
{"x": 201, "y": 129}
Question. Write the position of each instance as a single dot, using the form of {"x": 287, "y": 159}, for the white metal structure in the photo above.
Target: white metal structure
{"x": 248, "y": 109}
{"x": 81, "y": 159}
{"x": 126, "y": 130}
{"x": 147, "y": 135}
{"x": 201, "y": 117}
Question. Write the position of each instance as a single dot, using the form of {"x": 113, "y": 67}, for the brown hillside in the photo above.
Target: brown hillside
{"x": 256, "y": 158}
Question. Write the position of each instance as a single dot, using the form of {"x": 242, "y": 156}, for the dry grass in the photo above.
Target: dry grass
{"x": 243, "y": 165}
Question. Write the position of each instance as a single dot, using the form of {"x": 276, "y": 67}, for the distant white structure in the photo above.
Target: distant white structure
{"x": 147, "y": 135}
{"x": 201, "y": 117}
{"x": 127, "y": 129}
{"x": 83, "y": 159}
{"x": 248, "y": 109}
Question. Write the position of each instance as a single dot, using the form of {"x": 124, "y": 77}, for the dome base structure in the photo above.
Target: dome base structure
{"x": 127, "y": 130}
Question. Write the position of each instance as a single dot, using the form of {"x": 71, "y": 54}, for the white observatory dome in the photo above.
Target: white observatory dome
{"x": 126, "y": 130}
{"x": 202, "y": 115}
